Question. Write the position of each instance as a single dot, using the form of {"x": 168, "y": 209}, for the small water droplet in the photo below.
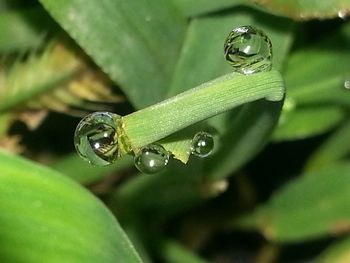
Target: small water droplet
{"x": 95, "y": 138}
{"x": 347, "y": 84}
{"x": 151, "y": 159}
{"x": 202, "y": 144}
{"x": 343, "y": 14}
{"x": 248, "y": 50}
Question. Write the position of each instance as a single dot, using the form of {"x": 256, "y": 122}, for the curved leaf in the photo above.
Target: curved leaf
{"x": 136, "y": 43}
{"x": 46, "y": 217}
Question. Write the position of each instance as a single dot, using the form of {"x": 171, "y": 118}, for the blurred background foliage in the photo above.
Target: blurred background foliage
{"x": 277, "y": 188}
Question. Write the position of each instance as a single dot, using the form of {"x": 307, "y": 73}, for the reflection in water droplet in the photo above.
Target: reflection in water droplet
{"x": 151, "y": 159}
{"x": 347, "y": 84}
{"x": 95, "y": 138}
{"x": 248, "y": 50}
{"x": 202, "y": 144}
{"x": 342, "y": 14}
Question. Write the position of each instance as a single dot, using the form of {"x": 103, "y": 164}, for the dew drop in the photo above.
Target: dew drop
{"x": 347, "y": 84}
{"x": 248, "y": 50}
{"x": 95, "y": 138}
{"x": 151, "y": 159}
{"x": 202, "y": 144}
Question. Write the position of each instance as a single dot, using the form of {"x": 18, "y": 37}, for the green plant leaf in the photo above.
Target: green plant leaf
{"x": 336, "y": 253}
{"x": 83, "y": 172}
{"x": 174, "y": 252}
{"x": 298, "y": 10}
{"x": 197, "y": 7}
{"x": 334, "y": 149}
{"x": 135, "y": 47}
{"x": 312, "y": 206}
{"x": 309, "y": 9}
{"x": 330, "y": 56}
{"x": 23, "y": 30}
{"x": 308, "y": 121}
{"x": 49, "y": 218}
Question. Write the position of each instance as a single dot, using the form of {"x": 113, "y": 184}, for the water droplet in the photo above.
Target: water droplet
{"x": 347, "y": 84}
{"x": 248, "y": 50}
{"x": 151, "y": 159}
{"x": 343, "y": 14}
{"x": 95, "y": 138}
{"x": 202, "y": 144}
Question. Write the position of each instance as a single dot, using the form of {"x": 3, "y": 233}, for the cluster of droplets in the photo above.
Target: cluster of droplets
{"x": 248, "y": 50}
{"x": 96, "y": 141}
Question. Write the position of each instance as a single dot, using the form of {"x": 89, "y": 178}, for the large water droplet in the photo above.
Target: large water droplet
{"x": 151, "y": 159}
{"x": 95, "y": 138}
{"x": 202, "y": 144}
{"x": 248, "y": 50}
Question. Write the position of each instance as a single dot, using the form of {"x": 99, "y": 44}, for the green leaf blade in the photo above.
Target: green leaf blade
{"x": 51, "y": 219}
{"x": 137, "y": 49}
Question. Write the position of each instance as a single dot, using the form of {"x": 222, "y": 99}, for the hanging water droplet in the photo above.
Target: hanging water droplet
{"x": 95, "y": 138}
{"x": 202, "y": 144}
{"x": 248, "y": 50}
{"x": 151, "y": 159}
{"x": 347, "y": 84}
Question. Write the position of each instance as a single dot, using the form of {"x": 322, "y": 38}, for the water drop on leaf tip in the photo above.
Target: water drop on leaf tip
{"x": 151, "y": 159}
{"x": 95, "y": 138}
{"x": 202, "y": 144}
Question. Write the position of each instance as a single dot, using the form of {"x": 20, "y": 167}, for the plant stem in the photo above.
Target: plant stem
{"x": 209, "y": 99}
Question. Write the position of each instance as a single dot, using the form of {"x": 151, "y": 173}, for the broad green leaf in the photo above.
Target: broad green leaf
{"x": 317, "y": 84}
{"x": 298, "y": 10}
{"x": 334, "y": 149}
{"x": 196, "y": 7}
{"x": 135, "y": 43}
{"x": 307, "y": 9}
{"x": 246, "y": 135}
{"x": 174, "y": 252}
{"x": 307, "y": 121}
{"x": 25, "y": 29}
{"x": 321, "y": 79}
{"x": 160, "y": 195}
{"x": 336, "y": 253}
{"x": 45, "y": 217}
{"x": 312, "y": 206}
{"x": 38, "y": 74}
{"x": 83, "y": 172}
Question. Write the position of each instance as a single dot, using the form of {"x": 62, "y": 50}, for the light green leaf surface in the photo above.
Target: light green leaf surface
{"x": 81, "y": 171}
{"x": 321, "y": 79}
{"x": 25, "y": 29}
{"x": 135, "y": 43}
{"x": 298, "y": 10}
{"x": 46, "y": 217}
{"x": 312, "y": 206}
{"x": 315, "y": 85}
{"x": 308, "y": 121}
{"x": 334, "y": 149}
{"x": 174, "y": 252}
{"x": 196, "y": 7}
{"x": 306, "y": 9}
{"x": 336, "y": 253}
